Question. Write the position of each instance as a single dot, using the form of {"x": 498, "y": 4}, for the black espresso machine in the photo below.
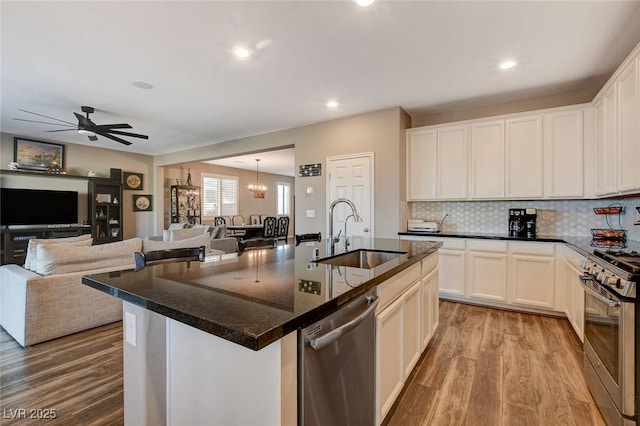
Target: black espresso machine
{"x": 522, "y": 222}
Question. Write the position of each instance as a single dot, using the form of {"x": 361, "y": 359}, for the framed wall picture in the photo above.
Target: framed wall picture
{"x": 133, "y": 181}
{"x": 142, "y": 203}
{"x": 36, "y": 155}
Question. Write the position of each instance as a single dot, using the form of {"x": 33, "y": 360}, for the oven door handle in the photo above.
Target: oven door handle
{"x": 597, "y": 296}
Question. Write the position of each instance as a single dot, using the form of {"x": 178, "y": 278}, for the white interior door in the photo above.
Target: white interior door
{"x": 351, "y": 177}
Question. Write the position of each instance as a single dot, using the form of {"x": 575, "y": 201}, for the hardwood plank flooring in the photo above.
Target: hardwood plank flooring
{"x": 484, "y": 367}
{"x": 491, "y": 367}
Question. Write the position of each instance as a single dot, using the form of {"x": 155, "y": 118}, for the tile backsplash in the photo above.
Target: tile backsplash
{"x": 563, "y": 217}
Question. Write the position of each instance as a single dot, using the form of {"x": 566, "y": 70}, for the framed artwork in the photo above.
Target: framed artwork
{"x": 142, "y": 203}
{"x": 36, "y": 155}
{"x": 133, "y": 181}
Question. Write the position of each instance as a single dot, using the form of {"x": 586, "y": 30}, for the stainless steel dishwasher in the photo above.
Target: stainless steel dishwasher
{"x": 336, "y": 368}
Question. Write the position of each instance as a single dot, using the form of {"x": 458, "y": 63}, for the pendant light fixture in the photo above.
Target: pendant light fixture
{"x": 257, "y": 189}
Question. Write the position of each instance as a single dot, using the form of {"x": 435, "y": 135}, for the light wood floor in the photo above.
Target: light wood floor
{"x": 484, "y": 367}
{"x": 493, "y": 367}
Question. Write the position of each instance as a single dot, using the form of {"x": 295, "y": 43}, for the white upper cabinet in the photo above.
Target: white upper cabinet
{"x": 524, "y": 157}
{"x": 564, "y": 154}
{"x": 628, "y": 109}
{"x": 452, "y": 162}
{"x": 610, "y": 140}
{"x": 422, "y": 157}
{"x": 487, "y": 160}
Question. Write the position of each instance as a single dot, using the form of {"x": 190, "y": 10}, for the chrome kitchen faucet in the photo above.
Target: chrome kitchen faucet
{"x": 356, "y": 218}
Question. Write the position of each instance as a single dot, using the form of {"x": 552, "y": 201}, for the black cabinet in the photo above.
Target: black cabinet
{"x": 185, "y": 204}
{"x": 105, "y": 210}
{"x": 16, "y": 241}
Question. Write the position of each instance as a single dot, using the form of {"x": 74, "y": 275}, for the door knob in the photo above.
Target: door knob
{"x": 366, "y": 229}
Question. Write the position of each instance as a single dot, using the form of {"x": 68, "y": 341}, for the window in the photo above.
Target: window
{"x": 219, "y": 195}
{"x": 284, "y": 196}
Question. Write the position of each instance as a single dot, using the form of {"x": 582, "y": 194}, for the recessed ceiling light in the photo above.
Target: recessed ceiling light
{"x": 333, "y": 104}
{"x": 507, "y": 65}
{"x": 242, "y": 52}
{"x": 364, "y": 3}
{"x": 142, "y": 85}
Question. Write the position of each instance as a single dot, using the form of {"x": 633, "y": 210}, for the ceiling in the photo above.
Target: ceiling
{"x": 278, "y": 162}
{"x": 426, "y": 57}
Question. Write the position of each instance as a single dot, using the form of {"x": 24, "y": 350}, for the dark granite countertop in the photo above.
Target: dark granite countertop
{"x": 255, "y": 298}
{"x": 584, "y": 245}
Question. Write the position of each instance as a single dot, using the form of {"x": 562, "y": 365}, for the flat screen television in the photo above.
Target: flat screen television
{"x": 38, "y": 207}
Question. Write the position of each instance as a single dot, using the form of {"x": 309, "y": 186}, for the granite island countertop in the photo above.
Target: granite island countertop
{"x": 259, "y": 296}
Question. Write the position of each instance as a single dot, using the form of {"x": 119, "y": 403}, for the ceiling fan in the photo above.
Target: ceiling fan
{"x": 88, "y": 128}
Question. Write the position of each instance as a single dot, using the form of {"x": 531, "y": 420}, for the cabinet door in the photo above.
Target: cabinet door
{"x": 629, "y": 129}
{"x": 411, "y": 339}
{"x": 564, "y": 154}
{"x": 524, "y": 164}
{"x": 487, "y": 160}
{"x": 429, "y": 311}
{"x": 389, "y": 365}
{"x": 451, "y": 265}
{"x": 610, "y": 140}
{"x": 452, "y": 162}
{"x": 487, "y": 275}
{"x": 533, "y": 280}
{"x": 421, "y": 165}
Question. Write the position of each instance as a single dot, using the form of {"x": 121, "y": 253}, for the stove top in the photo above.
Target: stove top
{"x": 628, "y": 261}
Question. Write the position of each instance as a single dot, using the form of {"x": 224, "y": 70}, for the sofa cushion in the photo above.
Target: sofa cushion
{"x": 152, "y": 245}
{"x": 183, "y": 234}
{"x": 64, "y": 258}
{"x": 219, "y": 231}
{"x": 29, "y": 262}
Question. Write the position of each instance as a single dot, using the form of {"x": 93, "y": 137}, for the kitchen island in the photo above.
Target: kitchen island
{"x": 214, "y": 342}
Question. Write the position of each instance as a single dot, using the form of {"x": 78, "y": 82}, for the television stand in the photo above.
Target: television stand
{"x": 15, "y": 238}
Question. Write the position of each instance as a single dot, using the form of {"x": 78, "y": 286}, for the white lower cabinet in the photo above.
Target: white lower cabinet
{"x": 532, "y": 274}
{"x": 404, "y": 318}
{"x": 487, "y": 270}
{"x": 575, "y": 299}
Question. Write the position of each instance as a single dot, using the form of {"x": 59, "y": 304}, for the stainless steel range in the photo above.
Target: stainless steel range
{"x": 611, "y": 333}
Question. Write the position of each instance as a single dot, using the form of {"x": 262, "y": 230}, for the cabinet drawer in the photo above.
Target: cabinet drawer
{"x": 484, "y": 245}
{"x": 540, "y": 249}
{"x": 451, "y": 243}
{"x": 429, "y": 263}
{"x": 389, "y": 290}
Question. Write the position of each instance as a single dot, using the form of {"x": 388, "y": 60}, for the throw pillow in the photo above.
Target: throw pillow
{"x": 29, "y": 262}
{"x": 54, "y": 259}
{"x": 152, "y": 245}
{"x": 173, "y": 226}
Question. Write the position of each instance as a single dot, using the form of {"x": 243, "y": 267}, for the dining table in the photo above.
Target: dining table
{"x": 250, "y": 230}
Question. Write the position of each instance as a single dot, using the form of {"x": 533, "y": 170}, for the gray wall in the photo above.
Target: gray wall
{"x": 381, "y": 132}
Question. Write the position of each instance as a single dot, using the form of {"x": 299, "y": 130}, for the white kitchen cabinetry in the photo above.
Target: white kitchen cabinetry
{"x": 451, "y": 265}
{"x": 564, "y": 154}
{"x": 628, "y": 109}
{"x": 574, "y": 299}
{"x": 399, "y": 329}
{"x": 487, "y": 270}
{"x": 524, "y": 166}
{"x": 452, "y": 162}
{"x": 532, "y": 274}
{"x": 487, "y": 160}
{"x": 606, "y": 142}
{"x": 422, "y": 160}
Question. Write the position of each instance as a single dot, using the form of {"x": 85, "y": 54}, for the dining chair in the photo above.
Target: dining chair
{"x": 219, "y": 221}
{"x": 308, "y": 237}
{"x": 237, "y": 220}
{"x": 263, "y": 217}
{"x": 170, "y": 255}
{"x": 283, "y": 228}
{"x": 254, "y": 219}
{"x": 269, "y": 227}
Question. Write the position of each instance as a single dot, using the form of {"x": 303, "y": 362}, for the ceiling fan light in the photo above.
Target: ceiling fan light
{"x": 84, "y": 132}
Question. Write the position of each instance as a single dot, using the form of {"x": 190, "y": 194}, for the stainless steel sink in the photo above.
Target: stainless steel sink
{"x": 365, "y": 259}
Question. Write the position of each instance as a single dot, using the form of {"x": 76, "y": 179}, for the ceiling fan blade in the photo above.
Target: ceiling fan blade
{"x": 106, "y": 135}
{"x": 61, "y": 130}
{"x": 44, "y": 122}
{"x": 92, "y": 138}
{"x": 45, "y": 116}
{"x": 133, "y": 135}
{"x": 113, "y": 126}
